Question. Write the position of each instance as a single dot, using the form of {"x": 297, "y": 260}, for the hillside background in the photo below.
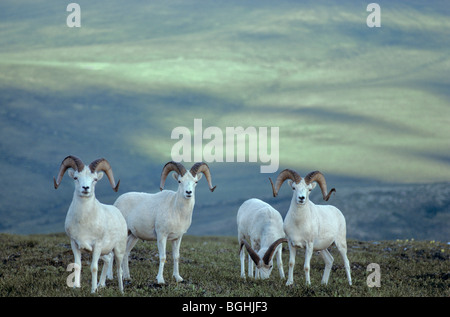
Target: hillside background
{"x": 369, "y": 107}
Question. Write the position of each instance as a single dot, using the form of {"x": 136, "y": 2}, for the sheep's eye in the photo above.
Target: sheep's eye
{"x": 179, "y": 182}
{"x": 75, "y": 178}
{"x": 95, "y": 179}
{"x": 196, "y": 182}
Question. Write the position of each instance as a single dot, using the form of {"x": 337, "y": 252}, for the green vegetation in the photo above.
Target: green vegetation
{"x": 36, "y": 265}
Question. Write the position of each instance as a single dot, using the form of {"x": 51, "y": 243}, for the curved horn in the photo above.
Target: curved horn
{"x": 318, "y": 177}
{"x": 285, "y": 174}
{"x": 270, "y": 251}
{"x": 169, "y": 167}
{"x": 103, "y": 165}
{"x": 255, "y": 257}
{"x": 203, "y": 168}
{"x": 69, "y": 162}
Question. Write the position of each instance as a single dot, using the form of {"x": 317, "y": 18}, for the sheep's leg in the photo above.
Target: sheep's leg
{"x": 307, "y": 266}
{"x": 280, "y": 262}
{"x": 77, "y": 267}
{"x": 119, "y": 255}
{"x": 292, "y": 253}
{"x": 328, "y": 258}
{"x": 94, "y": 268}
{"x": 242, "y": 257}
{"x": 131, "y": 242}
{"x": 162, "y": 259}
{"x": 342, "y": 247}
{"x": 250, "y": 266}
{"x": 109, "y": 272}
{"x": 176, "y": 257}
{"x": 107, "y": 265}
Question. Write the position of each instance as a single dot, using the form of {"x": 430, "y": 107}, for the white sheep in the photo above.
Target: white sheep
{"x": 91, "y": 225}
{"x": 163, "y": 216}
{"x": 262, "y": 225}
{"x": 311, "y": 226}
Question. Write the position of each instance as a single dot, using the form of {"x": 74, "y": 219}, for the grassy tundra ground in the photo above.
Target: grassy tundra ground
{"x": 36, "y": 265}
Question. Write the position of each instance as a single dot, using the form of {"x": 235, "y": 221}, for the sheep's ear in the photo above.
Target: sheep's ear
{"x": 313, "y": 185}
{"x": 100, "y": 175}
{"x": 175, "y": 176}
{"x": 71, "y": 172}
{"x": 199, "y": 176}
{"x": 290, "y": 182}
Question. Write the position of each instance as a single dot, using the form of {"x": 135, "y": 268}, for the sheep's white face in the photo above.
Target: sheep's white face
{"x": 301, "y": 191}
{"x": 263, "y": 270}
{"x": 85, "y": 181}
{"x": 187, "y": 183}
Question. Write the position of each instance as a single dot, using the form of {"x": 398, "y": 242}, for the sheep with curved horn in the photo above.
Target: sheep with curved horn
{"x": 310, "y": 226}
{"x": 262, "y": 225}
{"x": 164, "y": 216}
{"x": 91, "y": 225}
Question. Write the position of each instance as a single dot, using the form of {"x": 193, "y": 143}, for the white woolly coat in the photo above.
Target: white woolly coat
{"x": 93, "y": 224}
{"x": 144, "y": 219}
{"x": 259, "y": 223}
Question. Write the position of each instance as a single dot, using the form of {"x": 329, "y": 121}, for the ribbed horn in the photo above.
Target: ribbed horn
{"x": 318, "y": 177}
{"x": 103, "y": 165}
{"x": 269, "y": 253}
{"x": 169, "y": 167}
{"x": 255, "y": 257}
{"x": 69, "y": 162}
{"x": 285, "y": 174}
{"x": 203, "y": 168}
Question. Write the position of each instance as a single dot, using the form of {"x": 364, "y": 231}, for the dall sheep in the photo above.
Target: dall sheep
{"x": 91, "y": 225}
{"x": 311, "y": 226}
{"x": 262, "y": 225}
{"x": 163, "y": 216}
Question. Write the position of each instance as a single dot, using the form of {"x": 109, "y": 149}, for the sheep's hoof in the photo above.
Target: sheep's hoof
{"x": 160, "y": 281}
{"x": 178, "y": 279}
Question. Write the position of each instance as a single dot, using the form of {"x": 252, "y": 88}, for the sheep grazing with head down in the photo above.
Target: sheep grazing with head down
{"x": 91, "y": 225}
{"x": 163, "y": 216}
{"x": 310, "y": 226}
{"x": 262, "y": 225}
